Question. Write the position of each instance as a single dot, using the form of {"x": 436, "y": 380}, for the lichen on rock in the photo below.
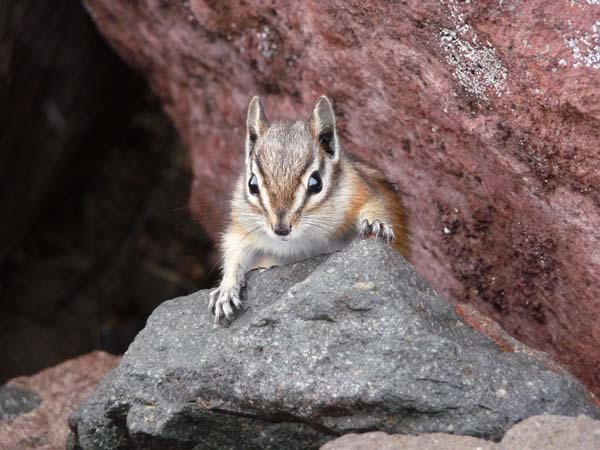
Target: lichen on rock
{"x": 586, "y": 47}
{"x": 477, "y": 68}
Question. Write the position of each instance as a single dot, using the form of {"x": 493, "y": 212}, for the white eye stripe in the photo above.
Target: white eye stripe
{"x": 262, "y": 191}
{"x": 302, "y": 197}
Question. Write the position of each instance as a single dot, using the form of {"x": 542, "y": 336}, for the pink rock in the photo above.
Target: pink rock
{"x": 60, "y": 389}
{"x": 381, "y": 441}
{"x": 487, "y": 115}
{"x": 545, "y": 432}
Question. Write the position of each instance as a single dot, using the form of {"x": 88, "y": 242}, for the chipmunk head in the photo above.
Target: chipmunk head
{"x": 290, "y": 168}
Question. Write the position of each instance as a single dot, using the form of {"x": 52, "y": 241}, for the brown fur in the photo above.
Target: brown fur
{"x": 373, "y": 184}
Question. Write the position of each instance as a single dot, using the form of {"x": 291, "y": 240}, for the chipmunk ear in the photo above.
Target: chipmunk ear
{"x": 256, "y": 123}
{"x": 322, "y": 123}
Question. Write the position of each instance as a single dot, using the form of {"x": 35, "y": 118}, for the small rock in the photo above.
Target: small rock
{"x": 543, "y": 432}
{"x": 15, "y": 401}
{"x": 382, "y": 441}
{"x": 34, "y": 410}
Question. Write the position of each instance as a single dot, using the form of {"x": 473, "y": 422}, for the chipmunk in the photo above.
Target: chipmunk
{"x": 300, "y": 196}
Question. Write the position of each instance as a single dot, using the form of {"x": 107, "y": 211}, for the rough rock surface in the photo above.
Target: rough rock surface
{"x": 536, "y": 433}
{"x": 486, "y": 114}
{"x": 34, "y": 410}
{"x": 351, "y": 342}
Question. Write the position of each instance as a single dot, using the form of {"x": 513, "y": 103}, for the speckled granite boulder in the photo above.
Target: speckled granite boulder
{"x": 355, "y": 341}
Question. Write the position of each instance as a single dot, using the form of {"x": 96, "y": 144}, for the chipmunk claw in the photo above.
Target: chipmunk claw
{"x": 221, "y": 301}
{"x": 376, "y": 228}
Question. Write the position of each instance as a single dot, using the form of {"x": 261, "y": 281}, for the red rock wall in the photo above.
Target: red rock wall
{"x": 486, "y": 113}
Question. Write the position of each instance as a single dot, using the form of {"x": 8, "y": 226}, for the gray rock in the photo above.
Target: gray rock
{"x": 15, "y": 401}
{"x": 352, "y": 342}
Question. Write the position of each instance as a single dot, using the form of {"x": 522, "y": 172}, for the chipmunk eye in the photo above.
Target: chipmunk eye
{"x": 253, "y": 185}
{"x": 315, "y": 184}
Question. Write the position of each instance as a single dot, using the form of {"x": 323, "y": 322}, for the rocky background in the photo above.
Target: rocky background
{"x": 95, "y": 231}
{"x": 486, "y": 114}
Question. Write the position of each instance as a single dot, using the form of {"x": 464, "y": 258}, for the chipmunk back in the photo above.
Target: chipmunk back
{"x": 299, "y": 196}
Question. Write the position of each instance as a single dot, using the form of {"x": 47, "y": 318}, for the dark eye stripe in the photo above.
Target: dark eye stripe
{"x": 334, "y": 180}
{"x": 326, "y": 186}
{"x": 322, "y": 169}
{"x": 307, "y": 165}
{"x": 249, "y": 196}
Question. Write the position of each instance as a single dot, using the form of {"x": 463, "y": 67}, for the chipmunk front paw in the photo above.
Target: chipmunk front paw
{"x": 376, "y": 228}
{"x": 221, "y": 301}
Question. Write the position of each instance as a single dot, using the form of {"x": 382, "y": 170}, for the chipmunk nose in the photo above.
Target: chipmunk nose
{"x": 280, "y": 228}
